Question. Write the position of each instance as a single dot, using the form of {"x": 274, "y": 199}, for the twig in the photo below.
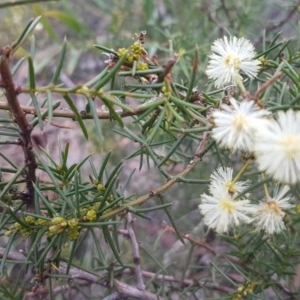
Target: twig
{"x": 129, "y": 291}
{"x": 188, "y": 282}
{"x": 67, "y": 113}
{"x": 153, "y": 193}
{"x": 113, "y": 296}
{"x": 202, "y": 244}
{"x": 25, "y": 128}
{"x": 267, "y": 84}
{"x": 136, "y": 253}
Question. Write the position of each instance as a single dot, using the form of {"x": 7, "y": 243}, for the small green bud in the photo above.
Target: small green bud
{"x": 8, "y": 232}
{"x": 142, "y": 66}
{"x": 41, "y": 222}
{"x": 73, "y": 233}
{"x": 57, "y": 220}
{"x": 101, "y": 187}
{"x": 30, "y": 220}
{"x": 91, "y": 215}
{"x": 73, "y": 223}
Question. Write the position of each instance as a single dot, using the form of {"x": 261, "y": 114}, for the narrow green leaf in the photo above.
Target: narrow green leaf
{"x": 37, "y": 111}
{"x": 173, "y": 224}
{"x": 60, "y": 63}
{"x": 268, "y": 50}
{"x": 17, "y": 219}
{"x": 193, "y": 77}
{"x": 6, "y": 252}
{"x": 54, "y": 181}
{"x": 46, "y": 202}
{"x": 108, "y": 50}
{"x": 71, "y": 172}
{"x": 110, "y": 241}
{"x": 155, "y": 260}
{"x": 31, "y": 75}
{"x": 46, "y": 250}
{"x": 152, "y": 208}
{"x": 111, "y": 181}
{"x": 173, "y": 149}
{"x": 111, "y": 204}
{"x": 96, "y": 79}
{"x": 50, "y": 158}
{"x": 26, "y": 32}
{"x": 77, "y": 115}
{"x": 113, "y": 113}
{"x": 97, "y": 224}
{"x": 96, "y": 120}
{"x": 45, "y": 113}
{"x": 32, "y": 47}
{"x": 71, "y": 256}
{"x": 65, "y": 155}
{"x": 9, "y": 184}
{"x": 34, "y": 245}
{"x": 192, "y": 247}
{"x": 99, "y": 249}
{"x": 103, "y": 166}
{"x": 281, "y": 49}
{"x": 124, "y": 186}
{"x": 50, "y": 106}
{"x": 155, "y": 128}
{"x": 133, "y": 136}
{"x": 111, "y": 73}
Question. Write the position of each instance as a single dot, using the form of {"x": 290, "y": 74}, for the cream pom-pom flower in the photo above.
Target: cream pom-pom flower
{"x": 269, "y": 213}
{"x": 236, "y": 125}
{"x": 222, "y": 178}
{"x": 229, "y": 57}
{"x": 220, "y": 210}
{"x": 277, "y": 148}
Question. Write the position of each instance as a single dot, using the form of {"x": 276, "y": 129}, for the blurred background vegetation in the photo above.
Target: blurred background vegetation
{"x": 172, "y": 26}
{"x": 113, "y": 24}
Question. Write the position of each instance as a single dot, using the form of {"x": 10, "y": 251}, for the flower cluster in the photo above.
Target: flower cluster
{"x": 277, "y": 147}
{"x": 244, "y": 125}
{"x": 222, "y": 211}
{"x": 135, "y": 52}
{"x": 229, "y": 57}
{"x": 274, "y": 142}
{"x": 237, "y": 124}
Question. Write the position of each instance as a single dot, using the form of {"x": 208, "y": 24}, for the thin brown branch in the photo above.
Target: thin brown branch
{"x": 67, "y": 113}
{"x": 136, "y": 253}
{"x": 202, "y": 244}
{"x": 129, "y": 291}
{"x": 153, "y": 193}
{"x": 187, "y": 282}
{"x": 267, "y": 84}
{"x": 113, "y": 296}
{"x": 25, "y": 128}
